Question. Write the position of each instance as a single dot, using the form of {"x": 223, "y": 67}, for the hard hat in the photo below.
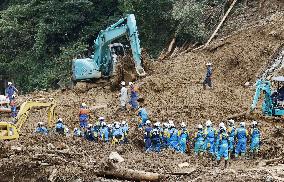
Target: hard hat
{"x": 60, "y": 119}
{"x": 221, "y": 125}
{"x": 165, "y": 124}
{"x": 90, "y": 125}
{"x": 103, "y": 123}
{"x": 148, "y": 122}
{"x": 208, "y": 64}
{"x": 254, "y": 123}
{"x": 208, "y": 123}
{"x": 13, "y": 96}
{"x": 75, "y": 129}
{"x": 9, "y": 83}
{"x": 224, "y": 128}
{"x": 199, "y": 126}
{"x": 171, "y": 122}
{"x": 83, "y": 105}
{"x": 109, "y": 125}
{"x": 117, "y": 125}
{"x": 231, "y": 121}
{"x": 40, "y": 123}
{"x": 101, "y": 118}
{"x": 123, "y": 122}
{"x": 183, "y": 124}
{"x": 242, "y": 124}
{"x": 172, "y": 125}
{"x": 130, "y": 83}
{"x": 158, "y": 123}
{"x": 123, "y": 83}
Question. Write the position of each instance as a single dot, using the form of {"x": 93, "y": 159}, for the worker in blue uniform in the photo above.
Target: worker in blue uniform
{"x": 209, "y": 133}
{"x": 142, "y": 113}
{"x": 117, "y": 134}
{"x": 165, "y": 135}
{"x": 77, "y": 132}
{"x": 255, "y": 139}
{"x": 173, "y": 140}
{"x": 207, "y": 80}
{"x": 10, "y": 91}
{"x": 183, "y": 138}
{"x": 155, "y": 136}
{"x": 104, "y": 132}
{"x": 133, "y": 96}
{"x": 125, "y": 128}
{"x": 241, "y": 137}
{"x": 88, "y": 133}
{"x": 41, "y": 128}
{"x": 59, "y": 126}
{"x": 199, "y": 141}
{"x": 231, "y": 135}
{"x": 217, "y": 137}
{"x": 223, "y": 146}
{"x": 147, "y": 136}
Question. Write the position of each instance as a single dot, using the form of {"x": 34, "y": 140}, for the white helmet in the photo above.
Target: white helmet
{"x": 123, "y": 122}
{"x": 103, "y": 123}
{"x": 130, "y": 83}
{"x": 171, "y": 122}
{"x": 60, "y": 119}
{"x": 199, "y": 126}
{"x": 208, "y": 64}
{"x": 75, "y": 129}
{"x": 221, "y": 125}
{"x": 123, "y": 83}
{"x": 208, "y": 123}
{"x": 156, "y": 124}
{"x": 84, "y": 105}
{"x": 117, "y": 125}
{"x": 224, "y": 128}
{"x": 109, "y": 125}
{"x": 183, "y": 124}
{"x": 148, "y": 122}
{"x": 172, "y": 125}
{"x": 254, "y": 123}
{"x": 9, "y": 83}
{"x": 40, "y": 123}
{"x": 231, "y": 121}
{"x": 101, "y": 118}
{"x": 90, "y": 125}
{"x": 242, "y": 124}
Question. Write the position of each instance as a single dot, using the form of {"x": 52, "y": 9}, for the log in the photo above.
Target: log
{"x": 220, "y": 24}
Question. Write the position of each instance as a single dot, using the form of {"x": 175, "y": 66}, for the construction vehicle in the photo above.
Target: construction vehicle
{"x": 101, "y": 63}
{"x": 273, "y": 101}
{"x": 9, "y": 131}
{"x": 4, "y": 104}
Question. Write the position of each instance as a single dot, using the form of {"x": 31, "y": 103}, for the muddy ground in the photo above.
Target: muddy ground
{"x": 171, "y": 90}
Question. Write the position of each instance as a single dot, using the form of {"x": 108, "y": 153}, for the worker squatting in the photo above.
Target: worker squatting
{"x": 219, "y": 143}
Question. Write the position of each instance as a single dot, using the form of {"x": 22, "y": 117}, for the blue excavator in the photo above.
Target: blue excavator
{"x": 101, "y": 64}
{"x": 273, "y": 101}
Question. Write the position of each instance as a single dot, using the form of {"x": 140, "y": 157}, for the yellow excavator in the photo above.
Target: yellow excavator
{"x": 10, "y": 131}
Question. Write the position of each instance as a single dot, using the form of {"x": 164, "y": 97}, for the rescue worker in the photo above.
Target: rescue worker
{"x": 165, "y": 135}
{"x": 209, "y": 134}
{"x": 125, "y": 128}
{"x": 88, "y": 133}
{"x": 123, "y": 96}
{"x": 13, "y": 107}
{"x": 207, "y": 80}
{"x": 10, "y": 91}
{"x": 241, "y": 136}
{"x": 104, "y": 132}
{"x": 218, "y": 133}
{"x": 41, "y": 128}
{"x": 231, "y": 135}
{"x": 59, "y": 126}
{"x": 173, "y": 140}
{"x": 110, "y": 130}
{"x": 155, "y": 136}
{"x": 147, "y": 136}
{"x": 117, "y": 135}
{"x": 84, "y": 115}
{"x": 223, "y": 146}
{"x": 183, "y": 138}
{"x": 255, "y": 138}
{"x": 101, "y": 119}
{"x": 133, "y": 96}
{"x": 199, "y": 141}
{"x": 77, "y": 132}
{"x": 96, "y": 131}
{"x": 142, "y": 113}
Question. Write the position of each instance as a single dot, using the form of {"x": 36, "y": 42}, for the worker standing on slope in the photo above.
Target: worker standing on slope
{"x": 217, "y": 137}
{"x": 83, "y": 115}
{"x": 183, "y": 138}
{"x": 173, "y": 140}
{"x": 241, "y": 135}
{"x": 125, "y": 128}
{"x": 59, "y": 126}
{"x": 117, "y": 135}
{"x": 255, "y": 139}
{"x": 133, "y": 96}
{"x": 231, "y": 135}
{"x": 209, "y": 134}
{"x": 223, "y": 146}
{"x": 147, "y": 135}
{"x": 207, "y": 80}
{"x": 199, "y": 141}
{"x": 13, "y": 107}
{"x": 10, "y": 91}
{"x": 123, "y": 96}
{"x": 155, "y": 138}
{"x": 41, "y": 128}
{"x": 143, "y": 115}
{"x": 165, "y": 135}
{"x": 104, "y": 132}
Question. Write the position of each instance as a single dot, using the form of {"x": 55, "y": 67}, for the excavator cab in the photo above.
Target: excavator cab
{"x": 278, "y": 94}
{"x": 8, "y": 131}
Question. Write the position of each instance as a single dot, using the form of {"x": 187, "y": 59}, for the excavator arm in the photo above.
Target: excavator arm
{"x": 267, "y": 105}
{"x": 101, "y": 63}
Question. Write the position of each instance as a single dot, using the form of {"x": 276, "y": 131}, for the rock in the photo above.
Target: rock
{"x": 247, "y": 84}
{"x": 185, "y": 164}
{"x": 17, "y": 148}
{"x": 50, "y": 146}
{"x": 120, "y": 149}
{"x": 116, "y": 157}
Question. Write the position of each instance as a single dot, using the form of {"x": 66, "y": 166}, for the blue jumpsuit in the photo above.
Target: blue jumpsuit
{"x": 10, "y": 91}
{"x": 173, "y": 140}
{"x": 207, "y": 79}
{"x": 133, "y": 98}
{"x": 125, "y": 132}
{"x": 241, "y": 135}
{"x": 210, "y": 133}
{"x": 223, "y": 146}
{"x": 231, "y": 134}
{"x": 95, "y": 132}
{"x": 104, "y": 134}
{"x": 155, "y": 140}
{"x": 183, "y": 139}
{"x": 147, "y": 138}
{"x": 78, "y": 133}
{"x": 118, "y": 134}
{"x": 42, "y": 130}
{"x": 165, "y": 138}
{"x": 59, "y": 127}
{"x": 255, "y": 140}
{"x": 89, "y": 135}
{"x": 144, "y": 116}
{"x": 199, "y": 142}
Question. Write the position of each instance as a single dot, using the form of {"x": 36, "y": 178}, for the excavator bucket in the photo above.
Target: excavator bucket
{"x": 8, "y": 131}
{"x": 140, "y": 71}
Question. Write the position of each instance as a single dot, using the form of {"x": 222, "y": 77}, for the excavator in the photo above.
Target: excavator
{"x": 10, "y": 131}
{"x": 101, "y": 63}
{"x": 273, "y": 101}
